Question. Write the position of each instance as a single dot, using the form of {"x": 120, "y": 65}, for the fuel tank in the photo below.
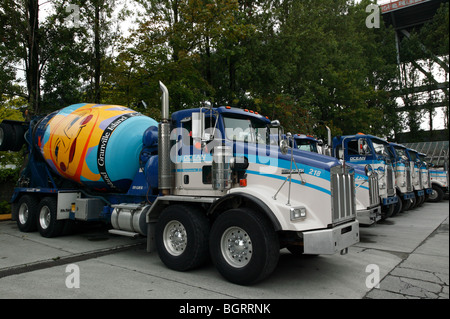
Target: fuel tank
{"x": 95, "y": 145}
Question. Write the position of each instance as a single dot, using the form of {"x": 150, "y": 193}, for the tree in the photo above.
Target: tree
{"x": 21, "y": 43}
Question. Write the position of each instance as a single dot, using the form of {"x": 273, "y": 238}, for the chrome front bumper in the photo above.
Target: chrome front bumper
{"x": 332, "y": 240}
{"x": 369, "y": 216}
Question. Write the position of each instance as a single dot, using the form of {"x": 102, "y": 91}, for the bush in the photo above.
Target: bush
{"x": 5, "y": 207}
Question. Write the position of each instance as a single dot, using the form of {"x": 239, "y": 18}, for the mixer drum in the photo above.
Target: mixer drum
{"x": 95, "y": 145}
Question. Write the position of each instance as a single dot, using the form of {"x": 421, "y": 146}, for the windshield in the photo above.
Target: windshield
{"x": 381, "y": 148}
{"x": 400, "y": 152}
{"x": 306, "y": 145}
{"x": 247, "y": 130}
{"x": 413, "y": 156}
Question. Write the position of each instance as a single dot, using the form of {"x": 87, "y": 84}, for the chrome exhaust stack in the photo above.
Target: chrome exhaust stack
{"x": 164, "y": 165}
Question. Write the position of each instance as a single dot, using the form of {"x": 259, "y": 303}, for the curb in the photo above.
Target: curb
{"x": 5, "y": 217}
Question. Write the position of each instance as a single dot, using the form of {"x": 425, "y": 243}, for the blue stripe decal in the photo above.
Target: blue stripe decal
{"x": 285, "y": 164}
{"x": 321, "y": 189}
{"x": 365, "y": 162}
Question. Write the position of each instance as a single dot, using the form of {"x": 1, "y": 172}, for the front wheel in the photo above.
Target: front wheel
{"x": 413, "y": 203}
{"x": 406, "y": 204}
{"x": 244, "y": 247}
{"x": 436, "y": 195}
{"x": 398, "y": 207}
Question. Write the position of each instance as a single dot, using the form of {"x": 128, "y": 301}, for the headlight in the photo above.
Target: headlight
{"x": 298, "y": 213}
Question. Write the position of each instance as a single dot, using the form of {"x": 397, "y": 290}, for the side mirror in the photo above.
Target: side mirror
{"x": 284, "y": 146}
{"x": 363, "y": 148}
{"x": 198, "y": 125}
{"x": 275, "y": 123}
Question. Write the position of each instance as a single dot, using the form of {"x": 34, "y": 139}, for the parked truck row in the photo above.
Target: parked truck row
{"x": 203, "y": 183}
{"x": 405, "y": 179}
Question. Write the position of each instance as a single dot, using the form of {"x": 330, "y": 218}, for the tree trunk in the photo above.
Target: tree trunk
{"x": 32, "y": 69}
{"x": 97, "y": 54}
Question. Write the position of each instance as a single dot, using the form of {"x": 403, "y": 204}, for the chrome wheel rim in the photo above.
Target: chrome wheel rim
{"x": 23, "y": 213}
{"x": 175, "y": 238}
{"x": 236, "y": 247}
{"x": 44, "y": 217}
{"x": 433, "y": 195}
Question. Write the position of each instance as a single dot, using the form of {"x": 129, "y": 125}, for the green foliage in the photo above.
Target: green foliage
{"x": 307, "y": 63}
{"x": 10, "y": 162}
{"x": 5, "y": 207}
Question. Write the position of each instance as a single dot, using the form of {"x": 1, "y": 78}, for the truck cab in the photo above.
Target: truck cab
{"x": 371, "y": 153}
{"x": 403, "y": 175}
{"x": 440, "y": 184}
{"x": 437, "y": 187}
{"x": 418, "y": 187}
{"x": 204, "y": 184}
{"x": 425, "y": 174}
{"x": 368, "y": 208}
{"x": 306, "y": 143}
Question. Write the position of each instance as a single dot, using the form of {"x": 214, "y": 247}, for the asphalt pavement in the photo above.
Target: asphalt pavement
{"x": 403, "y": 257}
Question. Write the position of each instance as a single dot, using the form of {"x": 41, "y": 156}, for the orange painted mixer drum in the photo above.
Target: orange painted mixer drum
{"x": 94, "y": 145}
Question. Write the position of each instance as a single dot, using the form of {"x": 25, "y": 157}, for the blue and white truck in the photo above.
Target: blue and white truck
{"x": 372, "y": 154}
{"x": 403, "y": 176}
{"x": 368, "y": 207}
{"x": 203, "y": 182}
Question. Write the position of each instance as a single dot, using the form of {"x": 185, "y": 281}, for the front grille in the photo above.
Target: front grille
{"x": 374, "y": 190}
{"x": 425, "y": 179}
{"x": 390, "y": 181}
{"x": 408, "y": 180}
{"x": 343, "y": 204}
{"x": 419, "y": 180}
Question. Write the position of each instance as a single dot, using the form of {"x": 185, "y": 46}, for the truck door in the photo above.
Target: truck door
{"x": 193, "y": 168}
{"x": 357, "y": 150}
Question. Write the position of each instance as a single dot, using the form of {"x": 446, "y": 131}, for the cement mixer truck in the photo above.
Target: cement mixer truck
{"x": 202, "y": 183}
{"x": 368, "y": 207}
{"x": 371, "y": 153}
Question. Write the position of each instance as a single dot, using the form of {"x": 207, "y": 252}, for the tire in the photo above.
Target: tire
{"x": 397, "y": 207}
{"x": 437, "y": 195}
{"x": 19, "y": 138}
{"x": 421, "y": 201}
{"x": 7, "y": 137}
{"x": 244, "y": 246}
{"x": 26, "y": 212}
{"x": 413, "y": 203}
{"x": 47, "y": 223}
{"x": 406, "y": 203}
{"x": 182, "y": 234}
{"x": 387, "y": 212}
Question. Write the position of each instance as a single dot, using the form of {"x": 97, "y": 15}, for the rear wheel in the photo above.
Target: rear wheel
{"x": 244, "y": 246}
{"x": 47, "y": 223}
{"x": 26, "y": 213}
{"x": 182, "y": 234}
